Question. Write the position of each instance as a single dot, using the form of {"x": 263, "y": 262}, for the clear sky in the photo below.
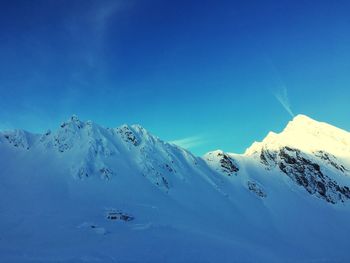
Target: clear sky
{"x": 208, "y": 74}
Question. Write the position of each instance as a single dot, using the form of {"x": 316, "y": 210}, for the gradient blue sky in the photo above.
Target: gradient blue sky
{"x": 207, "y": 72}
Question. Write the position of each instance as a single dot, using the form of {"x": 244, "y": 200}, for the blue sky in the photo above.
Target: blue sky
{"x": 208, "y": 74}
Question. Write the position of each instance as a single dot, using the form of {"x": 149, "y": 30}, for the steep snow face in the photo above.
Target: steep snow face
{"x": 314, "y": 155}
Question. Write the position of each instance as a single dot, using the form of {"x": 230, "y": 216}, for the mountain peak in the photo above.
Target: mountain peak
{"x": 75, "y": 124}
{"x": 74, "y": 118}
{"x": 301, "y": 118}
{"x": 307, "y": 135}
{"x": 303, "y": 125}
{"x": 302, "y": 122}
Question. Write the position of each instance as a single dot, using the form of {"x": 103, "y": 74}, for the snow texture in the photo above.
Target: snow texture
{"x": 85, "y": 193}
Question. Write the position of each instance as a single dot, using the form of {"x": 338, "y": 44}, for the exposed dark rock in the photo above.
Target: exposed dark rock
{"x": 253, "y": 187}
{"x": 303, "y": 170}
{"x": 266, "y": 157}
{"x": 127, "y": 135}
{"x": 165, "y": 182}
{"x": 83, "y": 173}
{"x": 61, "y": 145}
{"x": 18, "y": 139}
{"x": 309, "y": 175}
{"x": 169, "y": 168}
{"x": 331, "y": 159}
{"x": 156, "y": 173}
{"x": 119, "y": 215}
{"x": 106, "y": 173}
{"x": 227, "y": 163}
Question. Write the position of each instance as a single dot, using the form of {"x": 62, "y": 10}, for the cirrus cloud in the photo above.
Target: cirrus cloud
{"x": 189, "y": 142}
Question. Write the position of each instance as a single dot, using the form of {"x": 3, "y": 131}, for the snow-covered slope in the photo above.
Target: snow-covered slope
{"x": 313, "y": 154}
{"x": 87, "y": 193}
{"x": 93, "y": 151}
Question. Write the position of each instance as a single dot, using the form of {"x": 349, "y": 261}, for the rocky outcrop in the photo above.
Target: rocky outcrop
{"x": 307, "y": 173}
{"x": 128, "y": 135}
{"x": 118, "y": 215}
{"x": 331, "y": 160}
{"x": 222, "y": 162}
{"x": 18, "y": 139}
{"x": 256, "y": 189}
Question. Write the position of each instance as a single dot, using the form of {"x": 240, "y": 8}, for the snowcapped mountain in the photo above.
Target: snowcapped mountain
{"x": 314, "y": 155}
{"x": 89, "y": 193}
{"x": 92, "y": 151}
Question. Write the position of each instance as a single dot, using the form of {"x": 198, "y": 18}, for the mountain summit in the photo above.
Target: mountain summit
{"x": 313, "y": 154}
{"x": 309, "y": 135}
{"x": 123, "y": 190}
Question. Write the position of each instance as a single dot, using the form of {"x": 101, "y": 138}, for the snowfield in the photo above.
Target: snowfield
{"x": 84, "y": 193}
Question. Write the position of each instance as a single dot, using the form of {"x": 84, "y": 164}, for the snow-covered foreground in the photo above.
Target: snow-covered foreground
{"x": 88, "y": 194}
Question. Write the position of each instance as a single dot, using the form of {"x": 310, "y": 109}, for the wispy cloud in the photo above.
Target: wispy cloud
{"x": 103, "y": 14}
{"x": 281, "y": 93}
{"x": 189, "y": 142}
{"x": 91, "y": 26}
{"x": 282, "y": 98}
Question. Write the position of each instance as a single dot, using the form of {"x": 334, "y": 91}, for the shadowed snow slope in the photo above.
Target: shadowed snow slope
{"x": 86, "y": 193}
